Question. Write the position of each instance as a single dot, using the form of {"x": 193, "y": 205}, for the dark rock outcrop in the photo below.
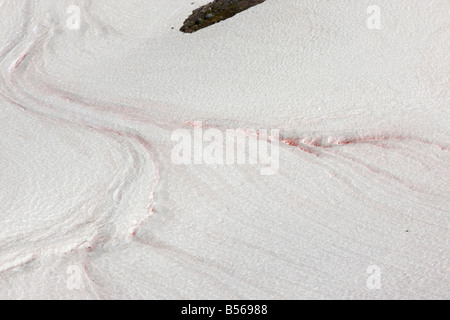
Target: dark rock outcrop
{"x": 214, "y": 12}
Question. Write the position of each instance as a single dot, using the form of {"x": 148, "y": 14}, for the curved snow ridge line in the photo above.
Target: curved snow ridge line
{"x": 11, "y": 73}
{"x": 102, "y": 218}
{"x": 398, "y": 149}
{"x": 14, "y": 262}
{"x": 137, "y": 222}
{"x": 130, "y": 169}
{"x": 135, "y": 166}
{"x": 72, "y": 106}
{"x": 326, "y": 140}
{"x": 315, "y": 144}
{"x": 23, "y": 44}
{"x": 332, "y": 141}
{"x": 17, "y": 61}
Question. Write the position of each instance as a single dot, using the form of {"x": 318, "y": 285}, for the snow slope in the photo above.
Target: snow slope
{"x": 91, "y": 205}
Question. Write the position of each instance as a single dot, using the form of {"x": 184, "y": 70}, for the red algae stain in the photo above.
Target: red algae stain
{"x": 294, "y": 143}
{"x": 291, "y": 142}
{"x": 19, "y": 61}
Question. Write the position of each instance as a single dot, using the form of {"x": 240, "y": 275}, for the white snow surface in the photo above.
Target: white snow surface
{"x": 87, "y": 182}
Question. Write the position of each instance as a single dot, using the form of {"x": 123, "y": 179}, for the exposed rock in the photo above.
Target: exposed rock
{"x": 214, "y": 12}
